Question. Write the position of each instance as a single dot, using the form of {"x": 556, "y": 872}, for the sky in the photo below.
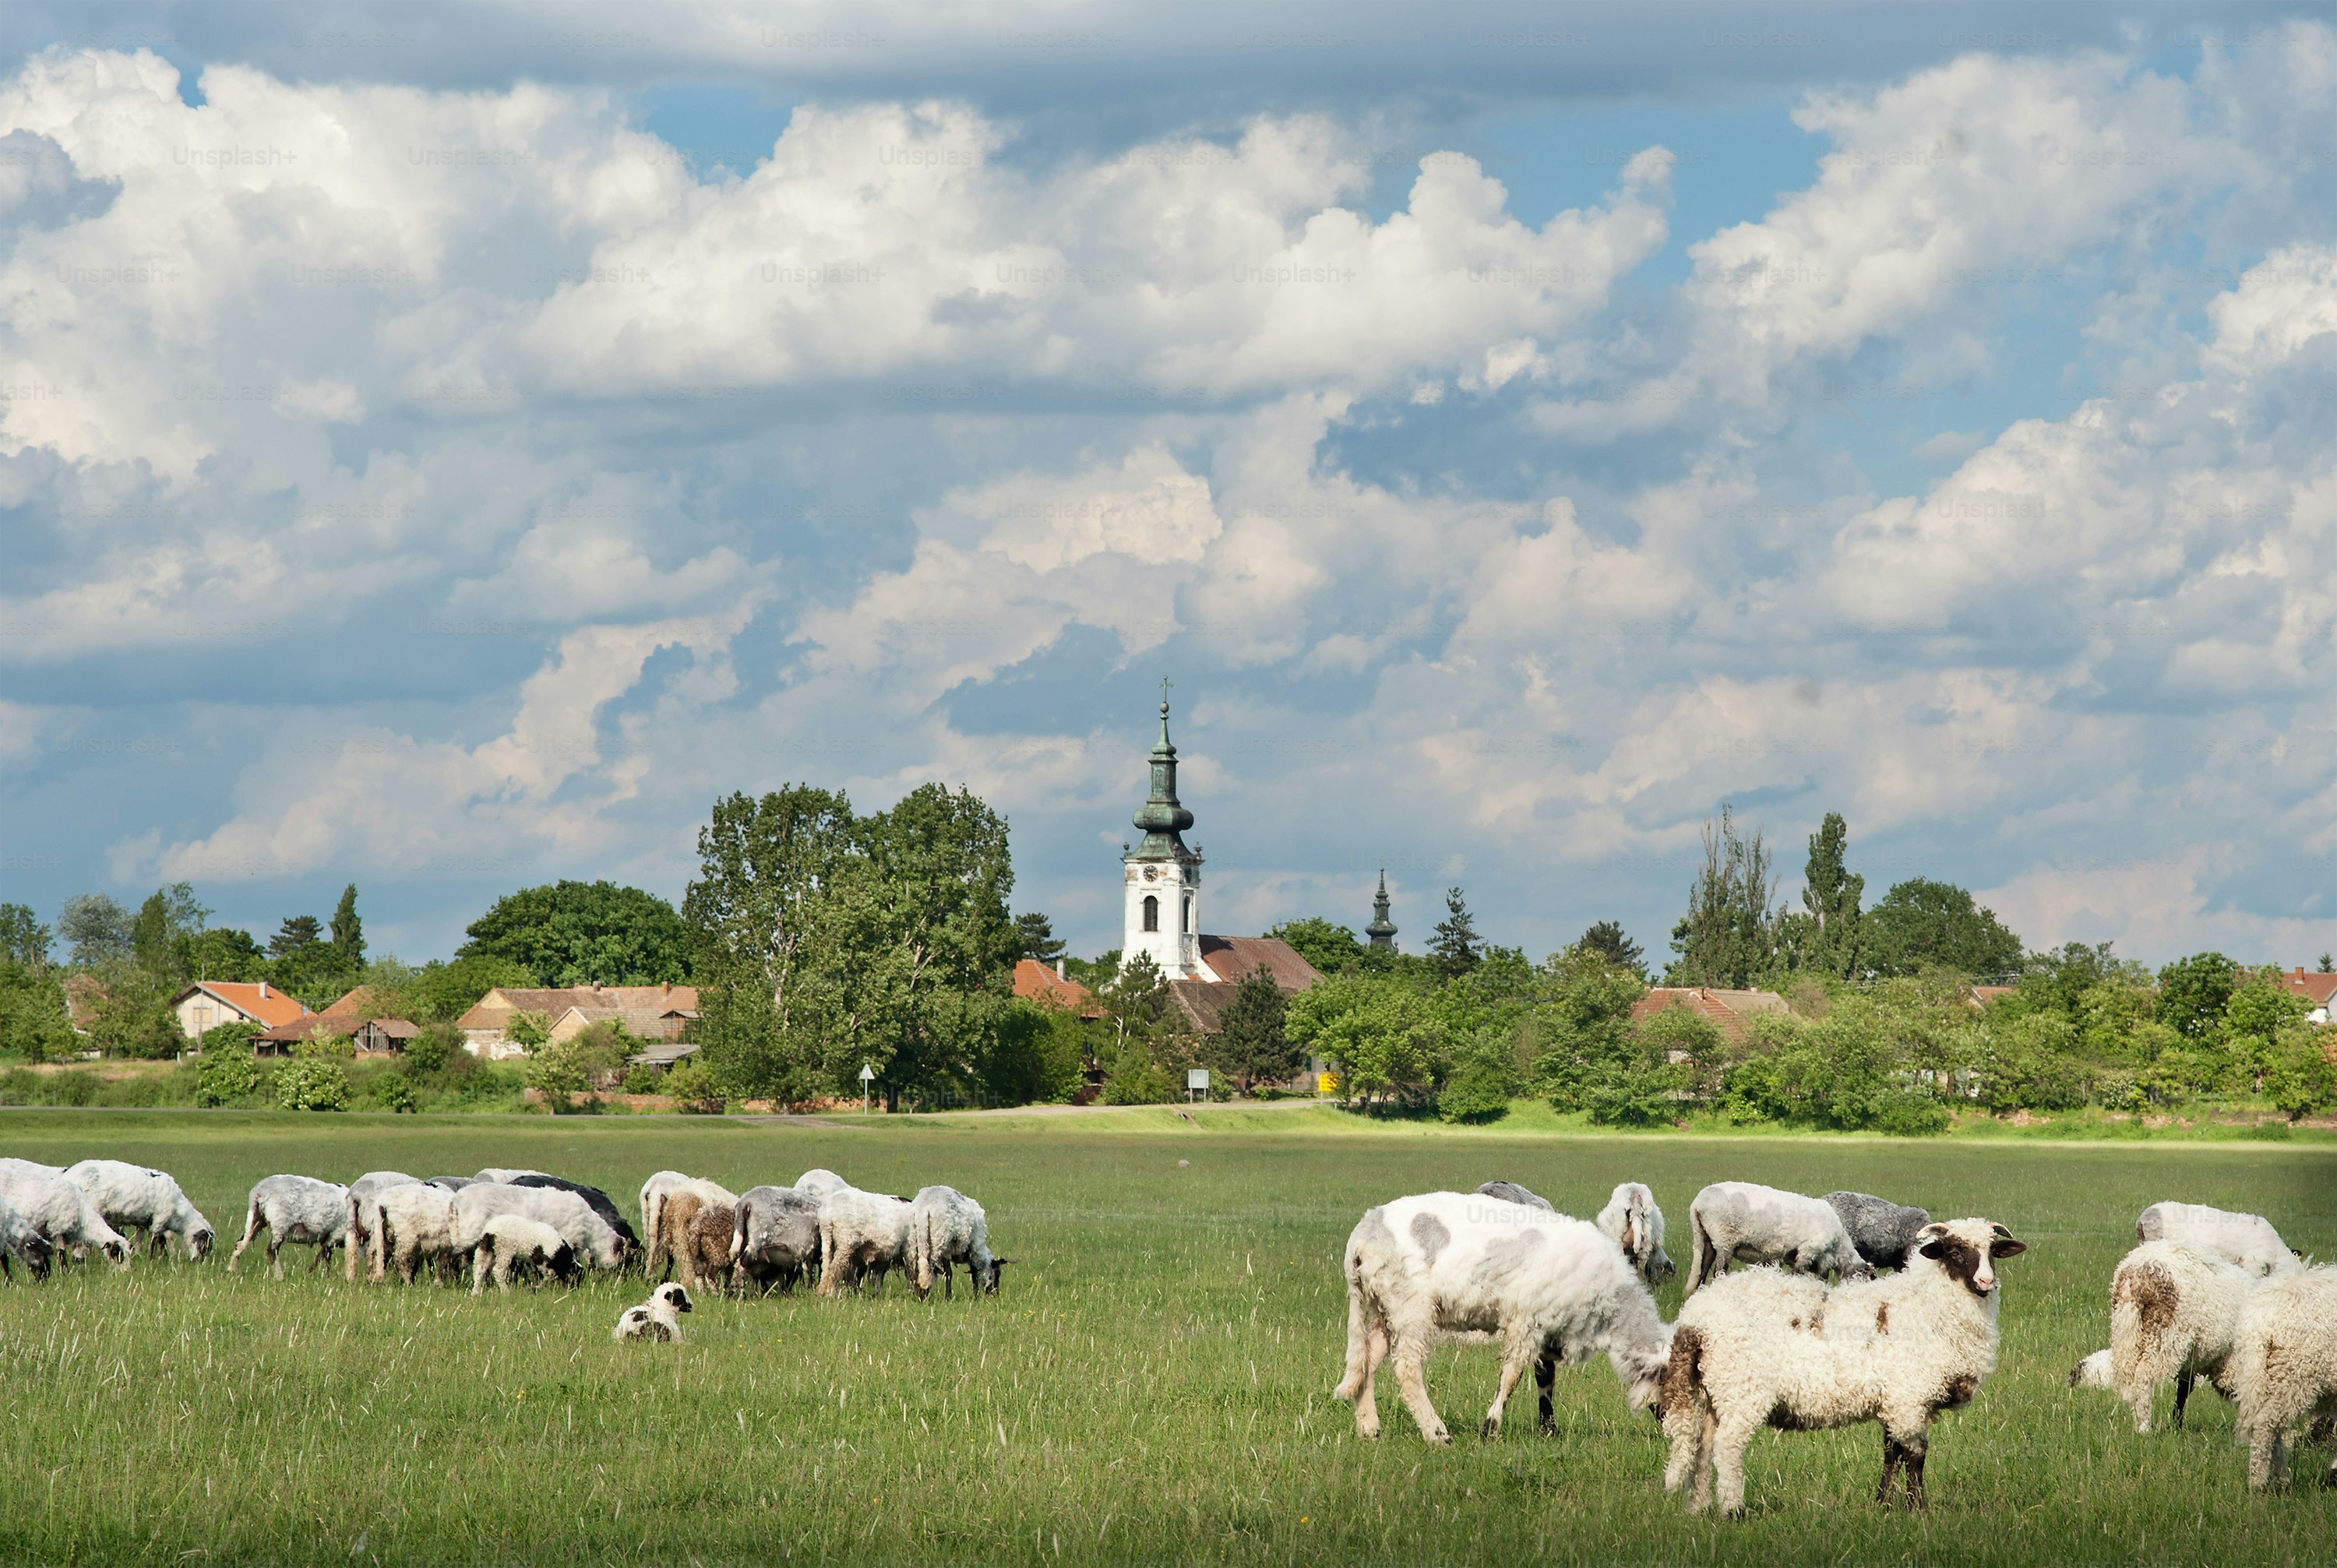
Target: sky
{"x": 446, "y": 448}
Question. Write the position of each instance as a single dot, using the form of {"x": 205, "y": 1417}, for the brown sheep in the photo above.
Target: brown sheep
{"x": 672, "y": 1238}
{"x": 707, "y": 1256}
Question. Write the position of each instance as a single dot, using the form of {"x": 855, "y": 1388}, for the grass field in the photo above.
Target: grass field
{"x": 1152, "y": 1386}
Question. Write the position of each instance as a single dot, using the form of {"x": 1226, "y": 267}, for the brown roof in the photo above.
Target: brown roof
{"x": 2316, "y": 989}
{"x": 256, "y": 999}
{"x": 494, "y": 1009}
{"x": 348, "y": 1012}
{"x": 1034, "y": 981}
{"x": 642, "y": 1023}
{"x": 1231, "y": 958}
{"x": 1726, "y": 1011}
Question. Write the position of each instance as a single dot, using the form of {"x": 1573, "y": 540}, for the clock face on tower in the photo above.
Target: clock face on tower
{"x": 1152, "y": 872}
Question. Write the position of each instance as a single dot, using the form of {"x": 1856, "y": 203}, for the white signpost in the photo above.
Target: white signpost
{"x": 867, "y": 1076}
{"x": 1196, "y": 1083}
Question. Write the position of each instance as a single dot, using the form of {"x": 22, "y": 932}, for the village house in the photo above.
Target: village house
{"x": 2316, "y": 989}
{"x": 1034, "y": 981}
{"x": 652, "y": 1013}
{"x": 1730, "y": 1011}
{"x": 356, "y": 1016}
{"x": 208, "y": 1004}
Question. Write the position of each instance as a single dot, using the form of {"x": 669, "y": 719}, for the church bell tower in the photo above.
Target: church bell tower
{"x": 1162, "y": 876}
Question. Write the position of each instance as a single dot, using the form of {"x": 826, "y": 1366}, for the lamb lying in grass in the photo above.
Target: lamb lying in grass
{"x": 657, "y": 1320}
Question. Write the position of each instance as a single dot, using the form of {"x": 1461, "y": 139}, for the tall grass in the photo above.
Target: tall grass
{"x": 1152, "y": 1386}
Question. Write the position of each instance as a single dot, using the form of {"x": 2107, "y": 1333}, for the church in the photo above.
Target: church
{"x": 1162, "y": 877}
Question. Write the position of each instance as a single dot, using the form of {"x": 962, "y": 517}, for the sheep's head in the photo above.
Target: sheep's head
{"x": 37, "y": 1254}
{"x": 985, "y": 1276}
{"x": 1642, "y": 1374}
{"x": 199, "y": 1243}
{"x": 1967, "y": 1250}
{"x": 673, "y": 1295}
{"x": 117, "y": 1252}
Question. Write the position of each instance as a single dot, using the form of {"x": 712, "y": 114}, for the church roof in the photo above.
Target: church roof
{"x": 1231, "y": 958}
{"x": 1163, "y": 819}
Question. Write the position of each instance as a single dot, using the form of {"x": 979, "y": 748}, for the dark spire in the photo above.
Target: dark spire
{"x": 1160, "y": 817}
{"x": 1382, "y": 930}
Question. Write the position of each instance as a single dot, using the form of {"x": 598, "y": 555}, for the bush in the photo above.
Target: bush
{"x": 428, "y": 1053}
{"x": 1911, "y": 1113}
{"x": 691, "y": 1083}
{"x": 394, "y": 1091}
{"x": 1643, "y": 1097}
{"x": 2299, "y": 1077}
{"x": 1137, "y": 1079}
{"x": 1479, "y": 1088}
{"x": 312, "y": 1082}
{"x": 642, "y": 1080}
{"x": 226, "y": 1073}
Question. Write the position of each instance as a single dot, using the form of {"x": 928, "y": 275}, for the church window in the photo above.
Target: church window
{"x": 1151, "y": 913}
{"x": 1186, "y": 924}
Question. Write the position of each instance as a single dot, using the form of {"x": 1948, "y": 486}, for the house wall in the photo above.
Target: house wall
{"x": 204, "y": 1011}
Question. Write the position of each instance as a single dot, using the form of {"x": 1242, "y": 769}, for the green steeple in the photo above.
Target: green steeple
{"x": 1162, "y": 820}
{"x": 1382, "y": 930}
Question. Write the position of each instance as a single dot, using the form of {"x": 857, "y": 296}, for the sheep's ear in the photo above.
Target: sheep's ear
{"x": 1935, "y": 1251}
{"x": 2006, "y": 1247}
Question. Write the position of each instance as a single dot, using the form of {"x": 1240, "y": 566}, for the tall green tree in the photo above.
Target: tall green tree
{"x": 1824, "y": 935}
{"x": 24, "y": 940}
{"x": 1037, "y": 935}
{"x": 1728, "y": 937}
{"x": 766, "y": 943}
{"x": 1141, "y": 1019}
{"x": 1607, "y": 941}
{"x": 96, "y": 929}
{"x": 295, "y": 935}
{"x": 443, "y": 991}
{"x": 2194, "y": 992}
{"x": 1326, "y": 944}
{"x": 578, "y": 932}
{"x": 1252, "y": 1045}
{"x": 1921, "y": 925}
{"x": 166, "y": 930}
{"x": 348, "y": 932}
{"x": 1457, "y": 947}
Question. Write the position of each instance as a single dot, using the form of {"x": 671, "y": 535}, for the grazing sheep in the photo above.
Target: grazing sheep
{"x": 1510, "y": 1192}
{"x": 947, "y": 1228}
{"x": 585, "y": 1232}
{"x": 2246, "y": 1239}
{"x": 502, "y": 1177}
{"x": 601, "y": 1203}
{"x": 362, "y": 1224}
{"x": 143, "y": 1205}
{"x": 59, "y": 1212}
{"x": 1446, "y": 1262}
{"x": 2284, "y": 1367}
{"x": 19, "y": 1241}
{"x": 412, "y": 1223}
{"x": 774, "y": 1238}
{"x": 1633, "y": 1223}
{"x": 1744, "y": 1222}
{"x": 2175, "y": 1312}
{"x": 510, "y": 1241}
{"x": 817, "y": 1182}
{"x": 1767, "y": 1347}
{"x": 859, "y": 1231}
{"x": 712, "y": 1229}
{"x": 657, "y": 1320}
{"x": 1881, "y": 1229}
{"x": 655, "y": 1191}
{"x": 295, "y": 1209}
{"x": 453, "y": 1183}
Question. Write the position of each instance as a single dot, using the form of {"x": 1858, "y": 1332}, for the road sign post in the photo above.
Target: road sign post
{"x": 867, "y": 1076}
{"x": 1197, "y": 1084}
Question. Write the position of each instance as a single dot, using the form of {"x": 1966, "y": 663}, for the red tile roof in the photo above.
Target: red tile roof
{"x": 1726, "y": 1011}
{"x": 494, "y": 1009}
{"x": 254, "y": 1000}
{"x": 1034, "y": 981}
{"x": 2316, "y": 989}
{"x": 1232, "y": 957}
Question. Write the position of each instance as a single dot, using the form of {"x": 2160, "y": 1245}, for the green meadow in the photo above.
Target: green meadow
{"x": 1153, "y": 1385}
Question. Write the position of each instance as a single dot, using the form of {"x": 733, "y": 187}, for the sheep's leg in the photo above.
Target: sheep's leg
{"x": 1368, "y": 1394}
{"x": 2183, "y": 1381}
{"x": 1708, "y": 1456}
{"x": 1515, "y": 1358}
{"x": 1892, "y": 1454}
{"x": 1545, "y": 1380}
{"x": 250, "y": 1229}
{"x": 2268, "y": 1453}
{"x": 1359, "y": 1328}
{"x": 1729, "y": 1443}
{"x": 479, "y": 1257}
{"x": 275, "y": 1263}
{"x": 1410, "y": 1365}
{"x": 324, "y": 1251}
{"x": 1687, "y": 1427}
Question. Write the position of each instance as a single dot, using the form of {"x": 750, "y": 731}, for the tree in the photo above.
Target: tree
{"x": 757, "y": 923}
{"x": 1379, "y": 1032}
{"x": 1923, "y": 925}
{"x": 1825, "y": 936}
{"x": 1251, "y": 1046}
{"x": 1455, "y": 949}
{"x": 443, "y": 992}
{"x": 2326, "y": 965}
{"x": 165, "y": 932}
{"x": 1141, "y": 1013}
{"x": 96, "y": 928}
{"x": 1038, "y": 937}
{"x": 297, "y": 935}
{"x": 1606, "y": 942}
{"x": 1327, "y": 945}
{"x": 578, "y": 932}
{"x": 2194, "y": 992}
{"x": 24, "y": 940}
{"x": 348, "y": 932}
{"x": 1728, "y": 937}
{"x": 224, "y": 953}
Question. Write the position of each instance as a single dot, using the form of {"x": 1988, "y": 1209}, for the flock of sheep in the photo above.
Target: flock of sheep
{"x": 2207, "y": 1294}
{"x": 507, "y": 1223}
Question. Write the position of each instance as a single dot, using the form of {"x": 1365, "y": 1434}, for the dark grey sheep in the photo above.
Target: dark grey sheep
{"x": 600, "y": 1203}
{"x": 775, "y": 1239}
{"x": 1510, "y": 1192}
{"x": 1881, "y": 1229}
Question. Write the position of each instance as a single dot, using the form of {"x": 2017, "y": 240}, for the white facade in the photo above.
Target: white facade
{"x": 1163, "y": 916}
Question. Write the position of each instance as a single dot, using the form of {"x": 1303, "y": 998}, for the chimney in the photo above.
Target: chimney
{"x": 263, "y": 990}
{"x": 1059, "y": 970}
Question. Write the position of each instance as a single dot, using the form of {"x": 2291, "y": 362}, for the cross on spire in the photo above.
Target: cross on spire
{"x": 1164, "y": 692}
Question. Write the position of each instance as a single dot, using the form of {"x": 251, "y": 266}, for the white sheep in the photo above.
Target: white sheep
{"x": 504, "y": 1177}
{"x": 1449, "y": 1262}
{"x": 2246, "y": 1239}
{"x": 657, "y": 1320}
{"x": 20, "y": 1241}
{"x": 2284, "y": 1367}
{"x": 1745, "y": 1222}
{"x": 1633, "y": 1223}
{"x": 655, "y": 1191}
{"x": 947, "y": 1228}
{"x": 817, "y": 1181}
{"x": 362, "y": 1223}
{"x": 60, "y": 1212}
{"x": 412, "y": 1223}
{"x": 859, "y": 1231}
{"x": 143, "y": 1205}
{"x": 509, "y": 1241}
{"x": 2174, "y": 1313}
{"x": 591, "y": 1237}
{"x": 295, "y": 1209}
{"x": 1766, "y": 1347}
